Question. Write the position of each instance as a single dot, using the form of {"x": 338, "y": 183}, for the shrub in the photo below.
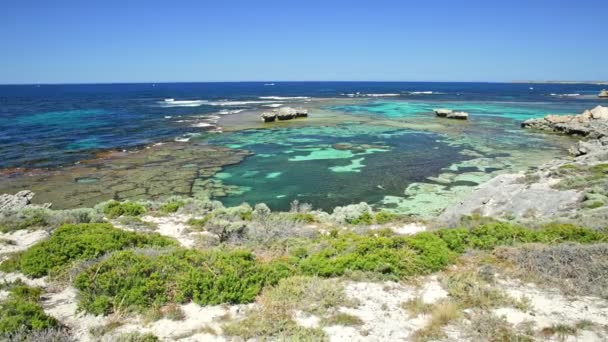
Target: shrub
{"x": 29, "y": 218}
{"x": 394, "y": 257}
{"x": 21, "y": 311}
{"x": 113, "y": 209}
{"x": 69, "y": 243}
{"x": 365, "y": 218}
{"x": 303, "y": 217}
{"x": 383, "y": 217}
{"x": 577, "y": 269}
{"x": 134, "y": 281}
{"x": 171, "y": 206}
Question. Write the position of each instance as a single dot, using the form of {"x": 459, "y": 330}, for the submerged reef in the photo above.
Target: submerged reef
{"x": 153, "y": 172}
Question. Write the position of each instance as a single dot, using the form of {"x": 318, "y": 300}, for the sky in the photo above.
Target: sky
{"x": 92, "y": 41}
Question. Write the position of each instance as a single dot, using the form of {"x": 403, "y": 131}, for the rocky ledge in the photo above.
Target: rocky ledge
{"x": 570, "y": 189}
{"x": 18, "y": 201}
{"x": 450, "y": 114}
{"x": 591, "y": 123}
{"x": 285, "y": 113}
{"x": 603, "y": 93}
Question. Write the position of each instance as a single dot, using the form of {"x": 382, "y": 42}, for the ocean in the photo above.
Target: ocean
{"x": 368, "y": 141}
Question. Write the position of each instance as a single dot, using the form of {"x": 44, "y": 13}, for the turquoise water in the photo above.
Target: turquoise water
{"x": 504, "y": 110}
{"x": 330, "y": 166}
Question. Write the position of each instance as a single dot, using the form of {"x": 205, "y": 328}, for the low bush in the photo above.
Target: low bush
{"x": 577, "y": 269}
{"x": 134, "y": 281}
{"x": 491, "y": 235}
{"x": 393, "y": 257}
{"x": 37, "y": 218}
{"x": 70, "y": 243}
{"x": 113, "y": 209}
{"x": 171, "y": 206}
{"x": 21, "y": 312}
{"x": 383, "y": 217}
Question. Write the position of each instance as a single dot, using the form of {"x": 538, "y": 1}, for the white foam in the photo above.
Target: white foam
{"x": 236, "y": 103}
{"x": 370, "y": 95}
{"x": 565, "y": 95}
{"x": 202, "y": 124}
{"x": 426, "y": 92}
{"x": 274, "y": 105}
{"x": 284, "y": 97}
{"x": 228, "y": 112}
{"x": 168, "y": 103}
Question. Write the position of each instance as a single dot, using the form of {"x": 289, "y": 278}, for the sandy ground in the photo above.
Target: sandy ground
{"x": 20, "y": 240}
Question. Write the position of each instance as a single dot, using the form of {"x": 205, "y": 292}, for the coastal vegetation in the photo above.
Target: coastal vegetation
{"x": 278, "y": 260}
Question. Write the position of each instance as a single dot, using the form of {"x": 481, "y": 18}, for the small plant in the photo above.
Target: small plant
{"x": 113, "y": 209}
{"x": 383, "y": 217}
{"x": 441, "y": 315}
{"x": 344, "y": 319}
{"x": 171, "y": 206}
{"x": 70, "y": 243}
{"x": 22, "y": 312}
{"x": 416, "y": 306}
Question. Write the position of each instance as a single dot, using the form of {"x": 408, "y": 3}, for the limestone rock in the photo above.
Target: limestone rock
{"x": 18, "y": 201}
{"x": 458, "y": 115}
{"x": 442, "y": 112}
{"x": 603, "y": 93}
{"x": 450, "y": 114}
{"x": 591, "y": 123}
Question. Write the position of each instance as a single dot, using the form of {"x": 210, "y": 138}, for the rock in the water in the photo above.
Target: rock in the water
{"x": 285, "y": 113}
{"x": 458, "y": 115}
{"x": 450, "y": 114}
{"x": 603, "y": 93}
{"x": 442, "y": 112}
{"x": 591, "y": 123}
{"x": 17, "y": 201}
{"x": 269, "y": 116}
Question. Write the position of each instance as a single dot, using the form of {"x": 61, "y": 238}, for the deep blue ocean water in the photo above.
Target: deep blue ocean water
{"x": 53, "y": 125}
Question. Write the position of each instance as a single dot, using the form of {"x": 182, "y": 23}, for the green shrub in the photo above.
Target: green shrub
{"x": 134, "y": 281}
{"x": 171, "y": 206}
{"x": 383, "y": 217}
{"x": 490, "y": 235}
{"x": 69, "y": 243}
{"x": 114, "y": 209}
{"x": 394, "y": 257}
{"x": 303, "y": 217}
{"x": 199, "y": 224}
{"x": 364, "y": 219}
{"x": 21, "y": 311}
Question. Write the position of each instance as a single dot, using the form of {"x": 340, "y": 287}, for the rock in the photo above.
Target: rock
{"x": 450, "y": 114}
{"x": 269, "y": 117}
{"x": 350, "y": 212}
{"x": 599, "y": 113}
{"x": 603, "y": 93}
{"x": 18, "y": 201}
{"x": 591, "y": 123}
{"x": 458, "y": 115}
{"x": 284, "y": 113}
{"x": 442, "y": 112}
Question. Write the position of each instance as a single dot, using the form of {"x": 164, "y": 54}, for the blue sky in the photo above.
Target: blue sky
{"x": 63, "y": 41}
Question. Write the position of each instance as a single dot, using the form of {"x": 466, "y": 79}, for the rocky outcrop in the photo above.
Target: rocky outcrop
{"x": 591, "y": 123}
{"x": 285, "y": 113}
{"x": 450, "y": 114}
{"x": 18, "y": 201}
{"x": 603, "y": 93}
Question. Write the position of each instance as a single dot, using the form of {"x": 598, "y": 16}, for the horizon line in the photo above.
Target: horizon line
{"x": 594, "y": 82}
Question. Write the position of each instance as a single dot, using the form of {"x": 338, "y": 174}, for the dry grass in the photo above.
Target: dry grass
{"x": 576, "y": 269}
{"x": 272, "y": 318}
{"x": 341, "y": 318}
{"x": 441, "y": 315}
{"x": 417, "y": 306}
{"x": 485, "y": 326}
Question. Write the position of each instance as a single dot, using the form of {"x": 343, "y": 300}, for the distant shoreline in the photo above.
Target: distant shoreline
{"x": 564, "y": 82}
